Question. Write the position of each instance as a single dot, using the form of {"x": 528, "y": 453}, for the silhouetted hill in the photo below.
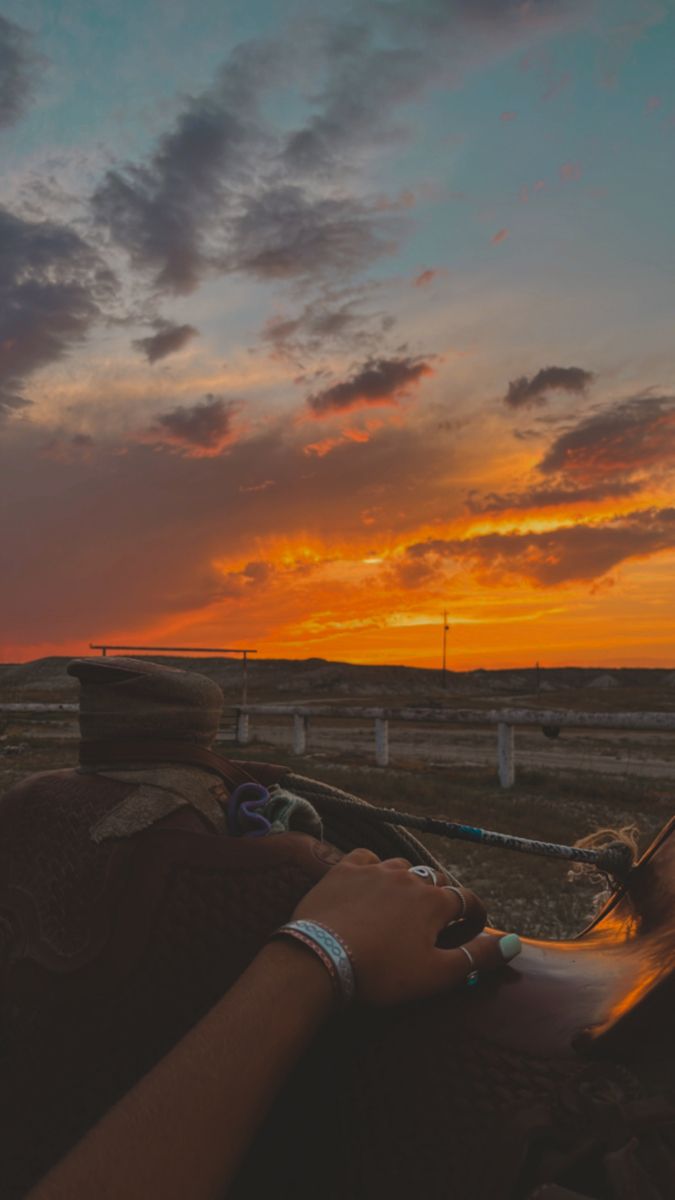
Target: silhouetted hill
{"x": 289, "y": 680}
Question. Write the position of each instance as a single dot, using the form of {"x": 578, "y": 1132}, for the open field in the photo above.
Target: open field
{"x": 565, "y": 789}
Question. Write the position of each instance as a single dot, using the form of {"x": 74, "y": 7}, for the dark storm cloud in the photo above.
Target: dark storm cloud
{"x": 51, "y": 287}
{"x": 168, "y": 339}
{"x": 636, "y": 435}
{"x": 205, "y": 426}
{"x": 380, "y": 381}
{"x": 18, "y": 64}
{"x": 529, "y": 391}
{"x": 565, "y": 555}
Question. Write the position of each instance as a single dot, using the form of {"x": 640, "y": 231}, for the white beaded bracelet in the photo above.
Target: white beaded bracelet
{"x": 330, "y": 948}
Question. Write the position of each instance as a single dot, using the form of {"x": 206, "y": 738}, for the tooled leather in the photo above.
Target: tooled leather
{"x": 183, "y": 912}
{"x": 53, "y": 878}
{"x": 154, "y": 750}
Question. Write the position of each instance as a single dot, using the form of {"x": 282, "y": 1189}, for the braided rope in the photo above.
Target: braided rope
{"x": 346, "y": 816}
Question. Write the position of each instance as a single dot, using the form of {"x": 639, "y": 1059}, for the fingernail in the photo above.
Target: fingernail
{"x": 510, "y": 945}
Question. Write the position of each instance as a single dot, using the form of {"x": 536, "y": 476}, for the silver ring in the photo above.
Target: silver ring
{"x": 450, "y": 887}
{"x": 424, "y": 873}
{"x": 469, "y": 955}
{"x": 472, "y": 978}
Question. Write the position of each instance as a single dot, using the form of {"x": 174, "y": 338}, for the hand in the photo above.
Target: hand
{"x": 391, "y": 921}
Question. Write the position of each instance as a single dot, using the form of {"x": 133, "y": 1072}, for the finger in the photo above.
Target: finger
{"x": 396, "y": 864}
{"x": 483, "y": 953}
{"x": 464, "y": 910}
{"x": 360, "y": 857}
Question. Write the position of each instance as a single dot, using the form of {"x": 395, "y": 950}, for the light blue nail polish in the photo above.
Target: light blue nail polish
{"x": 510, "y": 945}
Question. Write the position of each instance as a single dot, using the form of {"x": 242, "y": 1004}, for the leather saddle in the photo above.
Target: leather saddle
{"x": 554, "y": 1070}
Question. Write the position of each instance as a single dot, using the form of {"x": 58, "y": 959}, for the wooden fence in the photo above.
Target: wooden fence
{"x": 505, "y": 719}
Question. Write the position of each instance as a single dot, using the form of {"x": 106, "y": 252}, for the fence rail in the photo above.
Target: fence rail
{"x": 505, "y": 719}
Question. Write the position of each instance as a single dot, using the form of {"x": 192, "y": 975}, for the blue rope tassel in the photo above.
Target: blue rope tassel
{"x": 615, "y": 860}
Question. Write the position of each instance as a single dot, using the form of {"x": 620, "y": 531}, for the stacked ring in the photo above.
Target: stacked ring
{"x": 425, "y": 873}
{"x": 450, "y": 887}
{"x": 472, "y": 978}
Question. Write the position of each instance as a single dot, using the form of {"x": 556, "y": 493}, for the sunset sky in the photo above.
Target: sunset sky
{"x": 318, "y": 319}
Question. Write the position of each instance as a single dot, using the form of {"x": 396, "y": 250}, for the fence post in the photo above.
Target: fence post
{"x": 505, "y": 755}
{"x": 381, "y": 742}
{"x": 299, "y": 733}
{"x": 242, "y": 734}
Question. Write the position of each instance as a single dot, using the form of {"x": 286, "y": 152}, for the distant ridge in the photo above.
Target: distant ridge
{"x": 317, "y": 678}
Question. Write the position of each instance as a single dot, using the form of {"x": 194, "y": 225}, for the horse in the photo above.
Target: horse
{"x": 127, "y": 910}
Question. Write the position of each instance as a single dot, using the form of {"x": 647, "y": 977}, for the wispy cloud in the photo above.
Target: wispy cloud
{"x": 229, "y": 189}
{"x": 52, "y": 287}
{"x": 328, "y": 444}
{"x": 532, "y": 390}
{"x": 570, "y": 172}
{"x": 334, "y": 320}
{"x": 288, "y": 231}
{"x": 18, "y": 71}
{"x": 167, "y": 340}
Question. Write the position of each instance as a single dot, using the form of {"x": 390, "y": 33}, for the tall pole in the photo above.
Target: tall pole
{"x": 445, "y": 638}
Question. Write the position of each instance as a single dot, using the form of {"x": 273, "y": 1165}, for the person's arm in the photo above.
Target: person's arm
{"x": 183, "y": 1129}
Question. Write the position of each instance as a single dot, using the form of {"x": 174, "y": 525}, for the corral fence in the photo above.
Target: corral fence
{"x": 505, "y": 719}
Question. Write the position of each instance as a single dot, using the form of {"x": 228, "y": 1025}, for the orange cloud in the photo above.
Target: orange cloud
{"x": 323, "y": 447}
{"x": 562, "y": 555}
{"x": 637, "y": 435}
{"x": 500, "y": 236}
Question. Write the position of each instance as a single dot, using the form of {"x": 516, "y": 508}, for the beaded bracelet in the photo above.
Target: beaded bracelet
{"x": 333, "y": 952}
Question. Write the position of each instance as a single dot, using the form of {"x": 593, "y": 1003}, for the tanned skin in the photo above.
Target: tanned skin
{"x": 184, "y": 1128}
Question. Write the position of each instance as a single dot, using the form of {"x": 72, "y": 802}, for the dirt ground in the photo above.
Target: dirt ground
{"x": 564, "y": 790}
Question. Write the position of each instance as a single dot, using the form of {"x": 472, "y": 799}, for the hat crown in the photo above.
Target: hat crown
{"x": 130, "y": 698}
